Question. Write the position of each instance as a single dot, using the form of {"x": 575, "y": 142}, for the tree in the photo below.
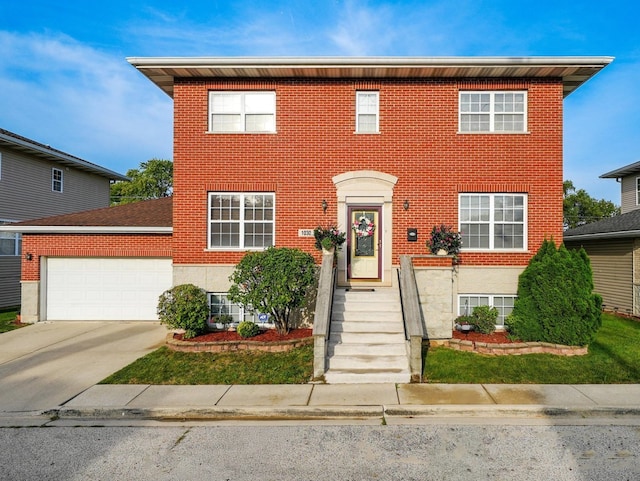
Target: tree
{"x": 580, "y": 208}
{"x": 275, "y": 281}
{"x": 556, "y": 302}
{"x": 154, "y": 179}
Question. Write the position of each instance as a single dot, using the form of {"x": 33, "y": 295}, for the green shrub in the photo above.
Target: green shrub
{"x": 248, "y": 329}
{"x": 184, "y": 307}
{"x": 556, "y": 302}
{"x": 485, "y": 318}
{"x": 275, "y": 280}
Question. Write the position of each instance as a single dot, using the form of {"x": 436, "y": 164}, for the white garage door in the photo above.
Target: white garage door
{"x": 105, "y": 289}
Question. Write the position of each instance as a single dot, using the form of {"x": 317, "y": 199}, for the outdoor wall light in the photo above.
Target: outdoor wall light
{"x": 406, "y": 204}
{"x": 28, "y": 256}
{"x": 324, "y": 206}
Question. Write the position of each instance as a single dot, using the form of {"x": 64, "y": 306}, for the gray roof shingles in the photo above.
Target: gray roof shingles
{"x": 621, "y": 224}
{"x": 146, "y": 213}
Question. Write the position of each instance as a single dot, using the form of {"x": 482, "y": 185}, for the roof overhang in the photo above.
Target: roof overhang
{"x": 603, "y": 235}
{"x": 622, "y": 171}
{"x": 73, "y": 229}
{"x": 36, "y": 149}
{"x": 573, "y": 71}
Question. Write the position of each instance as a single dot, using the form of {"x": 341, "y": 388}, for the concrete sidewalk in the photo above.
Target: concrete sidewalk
{"x": 349, "y": 401}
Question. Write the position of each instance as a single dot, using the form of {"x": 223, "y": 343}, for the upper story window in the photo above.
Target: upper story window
{"x": 493, "y": 221}
{"x": 231, "y": 111}
{"x": 637, "y": 190}
{"x": 56, "y": 180}
{"x": 487, "y": 111}
{"x": 241, "y": 220}
{"x": 367, "y": 112}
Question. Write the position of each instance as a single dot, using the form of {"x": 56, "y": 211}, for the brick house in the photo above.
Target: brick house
{"x": 266, "y": 149}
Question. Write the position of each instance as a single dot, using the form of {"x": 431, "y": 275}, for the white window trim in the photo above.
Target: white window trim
{"x": 53, "y": 180}
{"x": 242, "y": 112}
{"x": 492, "y": 222}
{"x": 637, "y": 190}
{"x": 242, "y": 222}
{"x": 377, "y": 114}
{"x": 0, "y": 165}
{"x": 492, "y": 112}
{"x": 491, "y": 298}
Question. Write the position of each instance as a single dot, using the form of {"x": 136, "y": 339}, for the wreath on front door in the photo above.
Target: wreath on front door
{"x": 363, "y": 227}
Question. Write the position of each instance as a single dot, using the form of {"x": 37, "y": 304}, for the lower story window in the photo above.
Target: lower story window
{"x": 220, "y": 305}
{"x": 504, "y": 304}
{"x": 10, "y": 244}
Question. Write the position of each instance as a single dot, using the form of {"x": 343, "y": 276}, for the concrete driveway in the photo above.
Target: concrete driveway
{"x": 46, "y": 364}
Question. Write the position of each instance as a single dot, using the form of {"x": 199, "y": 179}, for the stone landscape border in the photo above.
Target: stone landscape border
{"x": 234, "y": 346}
{"x": 514, "y": 348}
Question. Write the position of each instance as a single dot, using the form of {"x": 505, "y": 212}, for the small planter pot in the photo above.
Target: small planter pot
{"x": 441, "y": 252}
{"x": 465, "y": 328}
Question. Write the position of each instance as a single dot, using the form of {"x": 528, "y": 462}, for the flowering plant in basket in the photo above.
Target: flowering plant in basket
{"x": 444, "y": 238}
{"x": 329, "y": 237}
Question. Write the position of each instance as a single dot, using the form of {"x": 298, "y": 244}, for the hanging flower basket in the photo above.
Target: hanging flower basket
{"x": 328, "y": 238}
{"x": 363, "y": 227}
{"x": 444, "y": 241}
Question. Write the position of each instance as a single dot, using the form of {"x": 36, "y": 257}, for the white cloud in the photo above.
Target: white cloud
{"x": 82, "y": 101}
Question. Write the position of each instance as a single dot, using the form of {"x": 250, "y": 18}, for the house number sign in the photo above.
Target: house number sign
{"x": 305, "y": 232}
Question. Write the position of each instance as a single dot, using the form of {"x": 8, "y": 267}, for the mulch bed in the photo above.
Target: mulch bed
{"x": 268, "y": 335}
{"x": 498, "y": 337}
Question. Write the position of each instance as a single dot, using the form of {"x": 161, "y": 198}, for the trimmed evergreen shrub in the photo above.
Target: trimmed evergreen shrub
{"x": 485, "y": 318}
{"x": 556, "y": 302}
{"x": 247, "y": 329}
{"x": 184, "y": 307}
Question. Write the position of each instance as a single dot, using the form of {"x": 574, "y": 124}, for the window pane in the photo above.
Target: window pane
{"x": 368, "y": 103}
{"x": 226, "y": 123}
{"x": 226, "y": 103}
{"x": 259, "y": 123}
{"x": 7, "y": 244}
{"x": 475, "y": 235}
{"x": 367, "y": 123}
{"x": 263, "y": 103}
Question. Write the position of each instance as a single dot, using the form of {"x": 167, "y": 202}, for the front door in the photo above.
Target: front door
{"x": 364, "y": 243}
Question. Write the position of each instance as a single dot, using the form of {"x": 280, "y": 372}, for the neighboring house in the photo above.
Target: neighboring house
{"x": 266, "y": 149}
{"x": 613, "y": 245}
{"x": 36, "y": 181}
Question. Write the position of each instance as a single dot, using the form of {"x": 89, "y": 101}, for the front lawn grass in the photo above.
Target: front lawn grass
{"x": 613, "y": 358}
{"x": 8, "y": 320}
{"x": 165, "y": 366}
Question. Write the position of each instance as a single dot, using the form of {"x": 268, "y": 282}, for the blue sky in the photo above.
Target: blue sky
{"x": 64, "y": 80}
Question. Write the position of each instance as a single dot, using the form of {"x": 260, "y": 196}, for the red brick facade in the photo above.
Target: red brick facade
{"x": 418, "y": 143}
{"x": 90, "y": 245}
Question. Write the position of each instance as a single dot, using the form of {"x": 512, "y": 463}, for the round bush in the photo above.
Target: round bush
{"x": 184, "y": 307}
{"x": 248, "y": 329}
{"x": 484, "y": 318}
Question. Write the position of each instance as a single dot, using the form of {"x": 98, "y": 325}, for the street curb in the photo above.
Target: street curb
{"x": 222, "y": 413}
{"x": 342, "y": 412}
{"x": 509, "y": 410}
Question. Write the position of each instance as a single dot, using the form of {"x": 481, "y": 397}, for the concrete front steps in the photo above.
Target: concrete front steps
{"x": 367, "y": 341}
